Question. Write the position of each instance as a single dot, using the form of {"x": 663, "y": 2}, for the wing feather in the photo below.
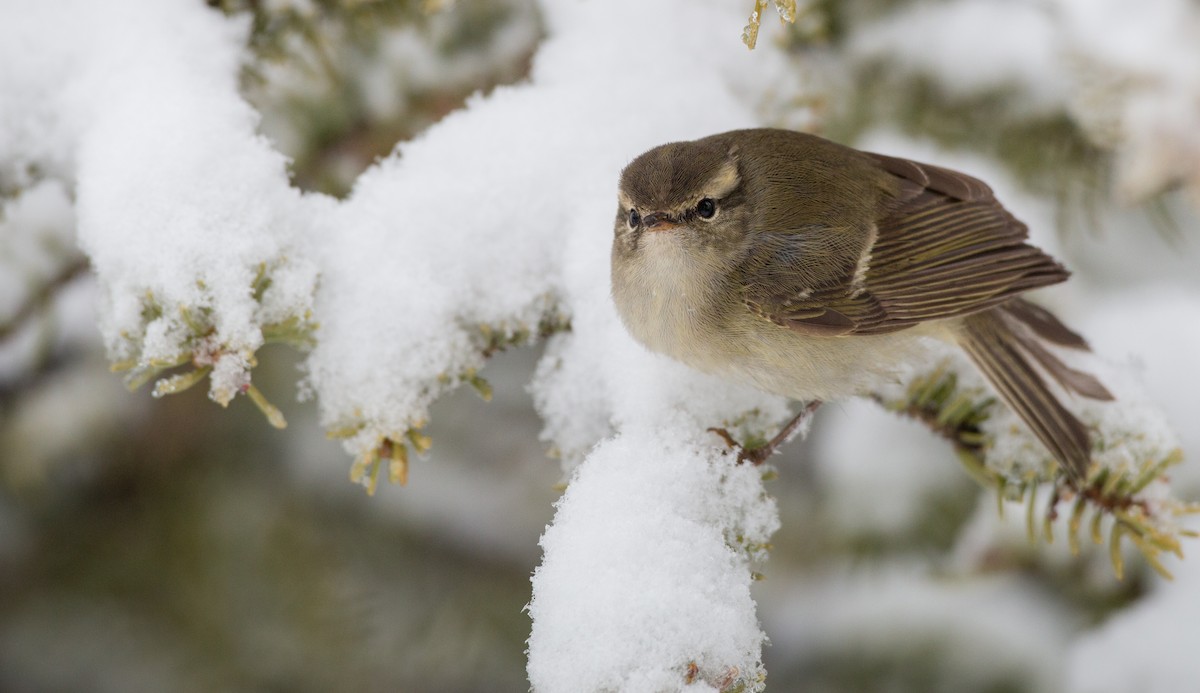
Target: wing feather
{"x": 945, "y": 249}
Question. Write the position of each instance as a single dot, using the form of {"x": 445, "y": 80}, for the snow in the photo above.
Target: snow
{"x": 38, "y": 252}
{"x": 162, "y": 216}
{"x": 1129, "y": 75}
{"x": 867, "y": 493}
{"x": 37, "y": 236}
{"x": 489, "y": 223}
{"x": 1152, "y": 335}
{"x": 36, "y": 135}
{"x": 388, "y": 69}
{"x": 1141, "y": 83}
{"x": 499, "y": 215}
{"x": 645, "y": 568}
{"x": 980, "y": 46}
{"x": 490, "y": 218}
{"x": 125, "y": 121}
{"x": 179, "y": 201}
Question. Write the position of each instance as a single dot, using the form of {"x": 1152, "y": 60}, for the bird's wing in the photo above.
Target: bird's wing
{"x": 946, "y": 248}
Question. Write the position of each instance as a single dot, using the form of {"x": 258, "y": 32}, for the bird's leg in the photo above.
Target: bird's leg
{"x": 758, "y": 455}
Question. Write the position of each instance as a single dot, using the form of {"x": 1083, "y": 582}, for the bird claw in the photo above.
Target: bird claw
{"x": 755, "y": 456}
{"x": 729, "y": 440}
{"x": 759, "y": 454}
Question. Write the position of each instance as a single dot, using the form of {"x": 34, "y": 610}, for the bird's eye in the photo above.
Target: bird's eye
{"x": 634, "y": 218}
{"x": 706, "y": 208}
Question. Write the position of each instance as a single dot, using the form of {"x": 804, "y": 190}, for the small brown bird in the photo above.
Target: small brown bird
{"x": 813, "y": 270}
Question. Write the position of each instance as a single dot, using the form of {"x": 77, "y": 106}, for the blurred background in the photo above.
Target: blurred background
{"x": 170, "y": 545}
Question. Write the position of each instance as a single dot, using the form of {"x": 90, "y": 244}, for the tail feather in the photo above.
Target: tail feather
{"x": 1044, "y": 324}
{"x": 1031, "y": 324}
{"x": 1003, "y": 356}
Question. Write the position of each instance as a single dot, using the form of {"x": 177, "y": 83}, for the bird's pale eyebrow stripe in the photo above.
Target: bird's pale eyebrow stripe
{"x": 723, "y": 181}
{"x": 626, "y": 203}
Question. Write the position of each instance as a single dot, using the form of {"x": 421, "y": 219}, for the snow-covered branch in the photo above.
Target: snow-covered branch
{"x": 491, "y": 230}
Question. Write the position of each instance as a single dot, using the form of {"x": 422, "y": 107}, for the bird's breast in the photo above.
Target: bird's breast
{"x": 671, "y": 301}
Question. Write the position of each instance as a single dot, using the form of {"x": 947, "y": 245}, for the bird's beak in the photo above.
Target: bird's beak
{"x": 659, "y": 221}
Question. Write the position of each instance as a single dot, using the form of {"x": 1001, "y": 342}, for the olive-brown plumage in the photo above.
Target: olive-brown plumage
{"x": 813, "y": 270}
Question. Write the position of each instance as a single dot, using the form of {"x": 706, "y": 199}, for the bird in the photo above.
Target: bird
{"x": 816, "y": 271}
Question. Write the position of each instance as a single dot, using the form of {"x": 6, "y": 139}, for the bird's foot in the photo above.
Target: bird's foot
{"x": 758, "y": 454}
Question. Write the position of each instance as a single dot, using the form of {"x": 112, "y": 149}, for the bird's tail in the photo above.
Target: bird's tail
{"x": 1007, "y": 343}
